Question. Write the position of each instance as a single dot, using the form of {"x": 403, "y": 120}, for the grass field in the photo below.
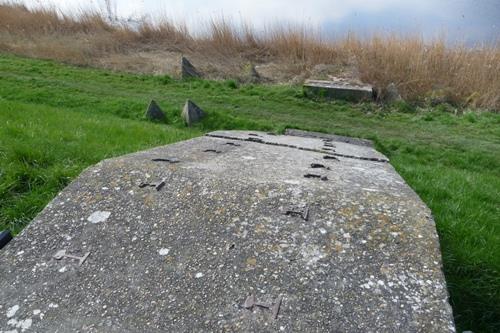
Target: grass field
{"x": 56, "y": 120}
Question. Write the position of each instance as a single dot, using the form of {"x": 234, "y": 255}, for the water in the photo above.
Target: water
{"x": 466, "y": 21}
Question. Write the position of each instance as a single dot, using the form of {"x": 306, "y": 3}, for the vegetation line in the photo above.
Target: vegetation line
{"x": 433, "y": 71}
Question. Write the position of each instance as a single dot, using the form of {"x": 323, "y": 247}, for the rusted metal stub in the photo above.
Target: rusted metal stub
{"x": 171, "y": 160}
{"x": 62, "y": 254}
{"x": 158, "y": 185}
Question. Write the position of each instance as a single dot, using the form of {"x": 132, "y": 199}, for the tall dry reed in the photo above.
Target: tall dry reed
{"x": 461, "y": 75}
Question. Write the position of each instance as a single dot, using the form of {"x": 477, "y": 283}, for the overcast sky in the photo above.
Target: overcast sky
{"x": 462, "y": 20}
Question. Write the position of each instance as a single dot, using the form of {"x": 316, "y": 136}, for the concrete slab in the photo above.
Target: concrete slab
{"x": 339, "y": 90}
{"x": 217, "y": 234}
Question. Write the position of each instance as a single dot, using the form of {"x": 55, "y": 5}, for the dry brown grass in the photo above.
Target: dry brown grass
{"x": 421, "y": 70}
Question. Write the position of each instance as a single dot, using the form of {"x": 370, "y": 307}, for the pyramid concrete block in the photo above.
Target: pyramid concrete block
{"x": 188, "y": 70}
{"x": 154, "y": 112}
{"x": 192, "y": 113}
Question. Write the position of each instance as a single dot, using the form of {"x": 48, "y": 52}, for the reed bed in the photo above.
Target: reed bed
{"x": 422, "y": 70}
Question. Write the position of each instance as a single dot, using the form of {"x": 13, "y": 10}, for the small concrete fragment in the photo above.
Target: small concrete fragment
{"x": 391, "y": 94}
{"x": 349, "y": 91}
{"x": 251, "y": 74}
{"x": 154, "y": 112}
{"x": 188, "y": 71}
{"x": 192, "y": 113}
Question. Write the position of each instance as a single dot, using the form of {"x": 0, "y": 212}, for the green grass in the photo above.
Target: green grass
{"x": 55, "y": 120}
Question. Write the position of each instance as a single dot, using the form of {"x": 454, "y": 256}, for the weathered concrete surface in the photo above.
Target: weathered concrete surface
{"x": 332, "y": 137}
{"x": 188, "y": 237}
{"x": 339, "y": 90}
{"x": 326, "y": 145}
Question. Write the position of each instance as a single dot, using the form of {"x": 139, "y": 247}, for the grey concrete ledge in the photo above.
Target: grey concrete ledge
{"x": 215, "y": 234}
{"x": 331, "y": 145}
{"x": 349, "y": 91}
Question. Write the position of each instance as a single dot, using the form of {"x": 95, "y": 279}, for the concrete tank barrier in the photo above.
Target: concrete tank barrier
{"x": 233, "y": 231}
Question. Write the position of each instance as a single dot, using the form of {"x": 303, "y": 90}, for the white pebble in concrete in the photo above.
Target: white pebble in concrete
{"x": 98, "y": 217}
{"x": 164, "y": 252}
{"x": 11, "y": 312}
{"x": 25, "y": 324}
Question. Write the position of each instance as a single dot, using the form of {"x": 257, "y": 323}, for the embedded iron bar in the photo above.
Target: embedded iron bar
{"x": 319, "y": 166}
{"x": 62, "y": 254}
{"x": 312, "y": 175}
{"x": 302, "y": 214}
{"x": 256, "y": 140}
{"x": 157, "y": 186}
{"x": 168, "y": 160}
{"x": 276, "y": 307}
